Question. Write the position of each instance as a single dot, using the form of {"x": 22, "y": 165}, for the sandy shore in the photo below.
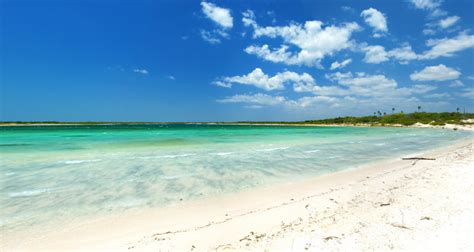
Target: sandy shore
{"x": 394, "y": 204}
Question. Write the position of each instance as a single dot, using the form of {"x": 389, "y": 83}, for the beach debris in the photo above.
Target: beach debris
{"x": 418, "y": 158}
{"x": 399, "y": 226}
{"x": 328, "y": 238}
{"x": 385, "y": 204}
{"x": 426, "y": 218}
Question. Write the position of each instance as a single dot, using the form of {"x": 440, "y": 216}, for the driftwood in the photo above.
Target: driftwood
{"x": 418, "y": 158}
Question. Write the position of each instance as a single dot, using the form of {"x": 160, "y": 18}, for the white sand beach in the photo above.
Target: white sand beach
{"x": 395, "y": 204}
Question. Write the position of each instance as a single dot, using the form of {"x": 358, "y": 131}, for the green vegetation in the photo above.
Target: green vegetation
{"x": 378, "y": 119}
{"x": 400, "y": 118}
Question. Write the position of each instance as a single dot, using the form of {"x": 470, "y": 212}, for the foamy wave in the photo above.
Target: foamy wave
{"x": 222, "y": 153}
{"x": 81, "y": 161}
{"x": 29, "y": 193}
{"x": 380, "y": 144}
{"x": 312, "y": 151}
{"x": 273, "y": 149}
{"x": 164, "y": 156}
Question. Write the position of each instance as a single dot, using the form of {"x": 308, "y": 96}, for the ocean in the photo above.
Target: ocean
{"x": 50, "y": 175}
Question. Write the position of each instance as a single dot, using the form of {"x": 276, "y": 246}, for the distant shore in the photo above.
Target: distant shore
{"x": 392, "y": 204}
{"x": 469, "y": 126}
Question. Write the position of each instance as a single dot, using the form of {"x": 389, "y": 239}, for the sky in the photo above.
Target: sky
{"x": 233, "y": 60}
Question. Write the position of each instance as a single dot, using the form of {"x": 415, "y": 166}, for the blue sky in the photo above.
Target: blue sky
{"x": 233, "y": 60}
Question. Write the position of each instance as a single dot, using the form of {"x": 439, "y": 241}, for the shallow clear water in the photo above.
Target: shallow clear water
{"x": 64, "y": 173}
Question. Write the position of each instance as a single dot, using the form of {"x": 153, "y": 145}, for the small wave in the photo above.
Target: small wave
{"x": 164, "y": 156}
{"x": 9, "y": 173}
{"x": 222, "y": 153}
{"x": 273, "y": 149}
{"x": 312, "y": 151}
{"x": 81, "y": 161}
{"x": 29, "y": 193}
{"x": 379, "y": 144}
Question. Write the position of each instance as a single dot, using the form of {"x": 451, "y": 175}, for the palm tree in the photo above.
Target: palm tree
{"x": 384, "y": 114}
{"x": 393, "y": 110}
{"x": 457, "y": 109}
{"x": 419, "y": 107}
{"x": 375, "y": 113}
{"x": 378, "y": 112}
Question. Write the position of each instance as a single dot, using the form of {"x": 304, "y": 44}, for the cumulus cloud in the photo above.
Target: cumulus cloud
{"x": 376, "y": 20}
{"x": 336, "y": 64}
{"x": 448, "y": 46}
{"x": 363, "y": 84}
{"x": 403, "y": 54}
{"x": 140, "y": 71}
{"x": 261, "y": 80}
{"x": 448, "y": 22}
{"x": 426, "y": 4}
{"x": 456, "y": 83}
{"x": 445, "y": 47}
{"x": 375, "y": 54}
{"x": 313, "y": 39}
{"x": 430, "y": 5}
{"x": 435, "y": 73}
{"x": 219, "y": 15}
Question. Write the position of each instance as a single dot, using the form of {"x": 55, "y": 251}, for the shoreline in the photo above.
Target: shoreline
{"x": 224, "y": 222}
{"x": 468, "y": 127}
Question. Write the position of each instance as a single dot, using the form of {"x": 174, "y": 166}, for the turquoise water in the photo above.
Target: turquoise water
{"x": 65, "y": 173}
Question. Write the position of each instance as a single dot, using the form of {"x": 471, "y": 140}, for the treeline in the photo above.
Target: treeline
{"x": 401, "y": 118}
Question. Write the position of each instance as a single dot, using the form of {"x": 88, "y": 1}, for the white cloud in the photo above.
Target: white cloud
{"x": 219, "y": 15}
{"x": 435, "y": 73}
{"x": 375, "y": 86}
{"x": 426, "y": 4}
{"x": 430, "y": 5}
{"x": 456, "y": 83}
{"x": 445, "y": 47}
{"x": 375, "y": 54}
{"x": 363, "y": 84}
{"x": 449, "y": 21}
{"x": 438, "y": 96}
{"x": 171, "y": 77}
{"x": 336, "y": 64}
{"x": 140, "y": 71}
{"x": 257, "y": 78}
{"x": 347, "y": 8}
{"x": 256, "y": 99}
{"x": 209, "y": 37}
{"x": 376, "y": 20}
{"x": 403, "y": 54}
{"x": 448, "y": 46}
{"x": 429, "y": 31}
{"x": 468, "y": 92}
{"x": 313, "y": 40}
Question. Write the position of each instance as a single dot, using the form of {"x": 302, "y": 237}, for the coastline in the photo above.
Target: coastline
{"x": 468, "y": 127}
{"x": 293, "y": 215}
